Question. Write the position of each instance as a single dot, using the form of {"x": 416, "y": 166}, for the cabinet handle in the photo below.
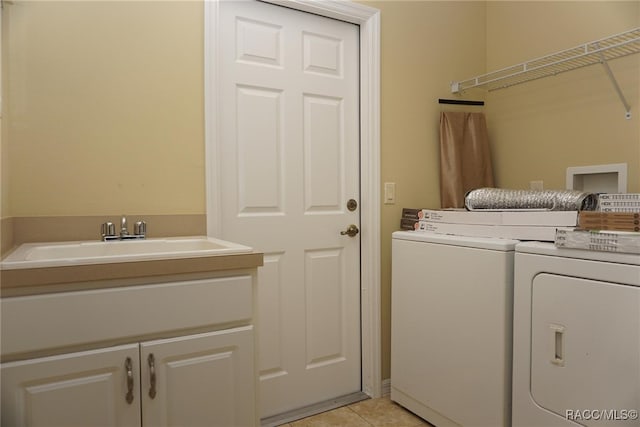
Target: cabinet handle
{"x": 152, "y": 373}
{"x": 129, "y": 367}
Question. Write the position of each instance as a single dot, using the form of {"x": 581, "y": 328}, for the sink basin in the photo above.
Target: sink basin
{"x": 33, "y": 255}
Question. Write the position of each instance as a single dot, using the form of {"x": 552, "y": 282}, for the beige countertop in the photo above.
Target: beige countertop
{"x": 30, "y": 281}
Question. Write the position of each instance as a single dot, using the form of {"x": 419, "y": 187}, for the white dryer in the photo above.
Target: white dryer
{"x": 451, "y": 314}
{"x": 576, "y": 337}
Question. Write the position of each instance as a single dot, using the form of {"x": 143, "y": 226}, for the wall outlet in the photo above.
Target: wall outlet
{"x": 389, "y": 193}
{"x": 536, "y": 185}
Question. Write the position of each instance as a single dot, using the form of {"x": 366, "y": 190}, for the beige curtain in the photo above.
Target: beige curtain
{"x": 465, "y": 160}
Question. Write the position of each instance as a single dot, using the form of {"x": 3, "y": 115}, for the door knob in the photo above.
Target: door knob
{"x": 351, "y": 231}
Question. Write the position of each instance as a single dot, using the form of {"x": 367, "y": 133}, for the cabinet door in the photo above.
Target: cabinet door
{"x": 77, "y": 389}
{"x": 205, "y": 379}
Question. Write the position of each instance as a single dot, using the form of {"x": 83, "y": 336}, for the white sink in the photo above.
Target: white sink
{"x": 34, "y": 255}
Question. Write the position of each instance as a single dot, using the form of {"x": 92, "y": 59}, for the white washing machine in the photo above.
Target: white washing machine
{"x": 576, "y": 345}
{"x": 451, "y": 328}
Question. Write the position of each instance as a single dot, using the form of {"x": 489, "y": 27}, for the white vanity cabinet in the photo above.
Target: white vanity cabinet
{"x": 197, "y": 380}
{"x": 179, "y": 353}
{"x": 77, "y": 389}
{"x": 201, "y": 380}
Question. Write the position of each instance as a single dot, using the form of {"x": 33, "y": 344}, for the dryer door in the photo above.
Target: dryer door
{"x": 585, "y": 349}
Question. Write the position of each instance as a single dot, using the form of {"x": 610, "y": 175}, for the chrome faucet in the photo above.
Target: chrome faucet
{"x": 123, "y": 227}
{"x": 108, "y": 230}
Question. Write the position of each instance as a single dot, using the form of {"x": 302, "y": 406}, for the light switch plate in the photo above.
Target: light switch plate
{"x": 389, "y": 193}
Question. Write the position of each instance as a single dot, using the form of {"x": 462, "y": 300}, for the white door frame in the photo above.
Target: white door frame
{"x": 368, "y": 19}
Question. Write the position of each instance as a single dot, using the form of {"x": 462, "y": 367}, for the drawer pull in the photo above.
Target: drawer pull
{"x": 129, "y": 368}
{"x": 152, "y": 375}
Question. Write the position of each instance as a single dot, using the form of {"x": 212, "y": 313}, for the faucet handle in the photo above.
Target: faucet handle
{"x": 108, "y": 229}
{"x": 140, "y": 228}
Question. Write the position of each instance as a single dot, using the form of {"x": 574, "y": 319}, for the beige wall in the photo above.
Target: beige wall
{"x": 4, "y": 147}
{"x": 540, "y": 128}
{"x": 105, "y": 108}
{"x": 105, "y": 104}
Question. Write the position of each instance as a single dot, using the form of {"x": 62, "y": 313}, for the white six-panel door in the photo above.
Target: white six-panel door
{"x": 289, "y": 162}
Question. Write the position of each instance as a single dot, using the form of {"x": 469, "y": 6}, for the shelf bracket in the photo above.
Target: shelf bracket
{"x": 616, "y": 86}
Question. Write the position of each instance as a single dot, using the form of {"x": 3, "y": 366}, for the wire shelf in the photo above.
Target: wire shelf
{"x": 595, "y": 52}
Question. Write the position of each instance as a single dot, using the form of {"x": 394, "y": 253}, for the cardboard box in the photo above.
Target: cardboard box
{"x": 408, "y": 224}
{"x": 602, "y": 241}
{"x": 517, "y": 232}
{"x": 608, "y": 227}
{"x": 617, "y": 216}
{"x": 627, "y": 197}
{"x": 629, "y": 209}
{"x": 609, "y": 221}
{"x": 524, "y": 218}
{"x": 619, "y": 202}
{"x": 409, "y": 213}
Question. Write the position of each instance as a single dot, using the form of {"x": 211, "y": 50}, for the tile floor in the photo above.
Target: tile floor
{"x": 380, "y": 412}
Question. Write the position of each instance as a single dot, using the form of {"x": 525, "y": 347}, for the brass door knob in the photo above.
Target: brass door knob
{"x": 351, "y": 231}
